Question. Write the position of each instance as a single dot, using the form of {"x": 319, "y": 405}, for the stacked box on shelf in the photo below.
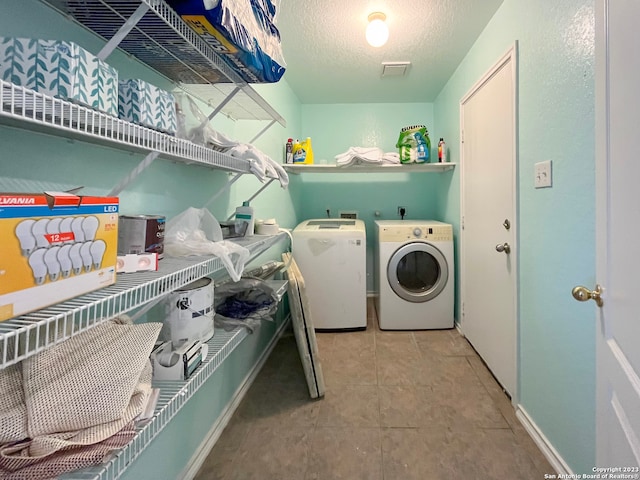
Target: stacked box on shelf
{"x": 55, "y": 246}
{"x": 145, "y": 104}
{"x": 60, "y": 69}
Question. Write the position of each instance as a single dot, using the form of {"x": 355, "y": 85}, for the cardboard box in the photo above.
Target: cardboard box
{"x": 145, "y": 104}
{"x": 55, "y": 246}
{"x": 60, "y": 69}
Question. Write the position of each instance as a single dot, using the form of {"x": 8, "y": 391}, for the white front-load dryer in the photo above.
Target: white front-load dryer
{"x": 414, "y": 274}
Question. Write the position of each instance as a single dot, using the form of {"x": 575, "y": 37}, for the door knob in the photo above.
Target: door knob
{"x": 504, "y": 247}
{"x": 582, "y": 294}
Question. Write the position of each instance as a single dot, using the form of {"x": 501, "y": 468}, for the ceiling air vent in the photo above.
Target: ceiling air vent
{"x": 395, "y": 69}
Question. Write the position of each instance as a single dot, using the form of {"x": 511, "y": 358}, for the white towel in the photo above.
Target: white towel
{"x": 261, "y": 165}
{"x": 368, "y": 155}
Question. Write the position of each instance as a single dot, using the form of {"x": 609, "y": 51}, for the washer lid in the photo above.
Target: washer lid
{"x": 417, "y": 272}
{"x": 332, "y": 224}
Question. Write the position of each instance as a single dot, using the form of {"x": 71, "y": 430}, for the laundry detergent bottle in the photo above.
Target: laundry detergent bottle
{"x": 302, "y": 152}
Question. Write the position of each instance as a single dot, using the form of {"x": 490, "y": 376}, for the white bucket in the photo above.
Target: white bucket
{"x": 189, "y": 313}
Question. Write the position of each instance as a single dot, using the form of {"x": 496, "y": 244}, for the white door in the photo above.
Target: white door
{"x": 488, "y": 241}
{"x": 617, "y": 223}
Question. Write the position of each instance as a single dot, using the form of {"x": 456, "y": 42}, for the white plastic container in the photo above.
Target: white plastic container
{"x": 244, "y": 214}
{"x": 189, "y": 313}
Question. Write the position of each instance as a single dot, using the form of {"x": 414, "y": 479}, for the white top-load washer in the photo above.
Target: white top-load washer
{"x": 331, "y": 255}
{"x": 414, "y": 274}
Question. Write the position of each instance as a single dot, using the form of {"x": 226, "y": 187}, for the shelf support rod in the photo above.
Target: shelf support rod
{"x": 222, "y": 104}
{"x": 254, "y": 195}
{"x": 148, "y": 160}
{"x": 262, "y": 131}
{"x": 124, "y": 30}
{"x": 223, "y": 189}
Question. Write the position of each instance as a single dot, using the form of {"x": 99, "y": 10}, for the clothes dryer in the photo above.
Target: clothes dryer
{"x": 331, "y": 255}
{"x": 414, "y": 274}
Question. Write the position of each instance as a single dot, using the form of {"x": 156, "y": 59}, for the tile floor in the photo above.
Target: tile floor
{"x": 398, "y": 406}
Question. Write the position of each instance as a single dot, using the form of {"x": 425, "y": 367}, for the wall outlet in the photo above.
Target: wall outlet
{"x": 348, "y": 214}
{"x": 542, "y": 174}
{"x": 402, "y": 211}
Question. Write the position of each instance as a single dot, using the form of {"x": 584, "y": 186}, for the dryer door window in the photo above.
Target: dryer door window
{"x": 417, "y": 272}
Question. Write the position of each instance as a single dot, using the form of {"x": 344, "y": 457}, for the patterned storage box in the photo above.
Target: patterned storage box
{"x": 60, "y": 69}
{"x": 145, "y": 104}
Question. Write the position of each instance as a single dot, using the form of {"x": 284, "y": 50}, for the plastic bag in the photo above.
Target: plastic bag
{"x": 414, "y": 144}
{"x": 196, "y": 127}
{"x": 197, "y": 232}
{"x": 244, "y": 303}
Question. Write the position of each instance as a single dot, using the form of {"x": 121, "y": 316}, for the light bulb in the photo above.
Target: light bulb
{"x": 90, "y": 226}
{"x": 26, "y": 238}
{"x": 76, "y": 259}
{"x": 36, "y": 262}
{"x": 54, "y": 225}
{"x": 377, "y": 32}
{"x": 76, "y": 228}
{"x": 39, "y": 231}
{"x": 51, "y": 260}
{"x": 85, "y": 253}
{"x": 65, "y": 227}
{"x": 97, "y": 252}
{"x": 65, "y": 260}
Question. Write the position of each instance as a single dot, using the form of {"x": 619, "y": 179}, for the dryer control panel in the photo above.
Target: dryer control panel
{"x": 401, "y": 233}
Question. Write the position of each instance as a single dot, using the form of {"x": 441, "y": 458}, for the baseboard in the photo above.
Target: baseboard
{"x": 214, "y": 433}
{"x": 551, "y": 454}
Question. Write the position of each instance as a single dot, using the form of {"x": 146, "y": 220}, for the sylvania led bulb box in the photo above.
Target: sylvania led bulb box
{"x": 55, "y": 246}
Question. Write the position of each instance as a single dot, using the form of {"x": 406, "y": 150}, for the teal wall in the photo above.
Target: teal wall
{"x": 556, "y": 225}
{"x": 36, "y": 162}
{"x": 335, "y": 128}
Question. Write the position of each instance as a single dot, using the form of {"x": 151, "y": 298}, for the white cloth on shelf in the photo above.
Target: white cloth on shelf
{"x": 366, "y": 155}
{"x": 261, "y": 165}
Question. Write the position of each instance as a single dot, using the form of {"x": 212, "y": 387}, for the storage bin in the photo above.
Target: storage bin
{"x": 60, "y": 69}
{"x": 145, "y": 104}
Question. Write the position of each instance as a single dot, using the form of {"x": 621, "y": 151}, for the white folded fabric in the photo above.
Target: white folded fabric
{"x": 369, "y": 155}
{"x": 260, "y": 164}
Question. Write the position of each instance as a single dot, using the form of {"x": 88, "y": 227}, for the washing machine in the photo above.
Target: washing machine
{"x": 414, "y": 274}
{"x": 332, "y": 257}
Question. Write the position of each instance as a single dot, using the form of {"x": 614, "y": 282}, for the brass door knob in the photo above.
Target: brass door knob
{"x": 503, "y": 247}
{"x": 582, "y": 294}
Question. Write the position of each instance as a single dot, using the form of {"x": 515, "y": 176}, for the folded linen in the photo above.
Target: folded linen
{"x": 366, "y": 155}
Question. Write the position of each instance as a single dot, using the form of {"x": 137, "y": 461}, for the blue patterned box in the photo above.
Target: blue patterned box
{"x": 60, "y": 69}
{"x": 145, "y": 104}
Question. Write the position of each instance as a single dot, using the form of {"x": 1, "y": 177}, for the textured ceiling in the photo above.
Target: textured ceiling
{"x": 329, "y": 61}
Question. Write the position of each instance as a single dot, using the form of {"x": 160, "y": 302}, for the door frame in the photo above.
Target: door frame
{"x": 511, "y": 55}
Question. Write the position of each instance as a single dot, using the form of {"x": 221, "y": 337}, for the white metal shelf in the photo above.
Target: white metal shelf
{"x": 28, "y": 334}
{"x": 25, "y": 108}
{"x": 161, "y": 40}
{"x": 173, "y": 396}
{"x": 372, "y": 168}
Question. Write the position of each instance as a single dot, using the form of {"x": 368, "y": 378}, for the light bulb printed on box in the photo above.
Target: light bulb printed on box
{"x": 50, "y": 240}
{"x": 25, "y": 236}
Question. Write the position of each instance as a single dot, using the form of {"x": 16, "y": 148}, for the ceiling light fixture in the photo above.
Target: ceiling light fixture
{"x": 377, "y": 32}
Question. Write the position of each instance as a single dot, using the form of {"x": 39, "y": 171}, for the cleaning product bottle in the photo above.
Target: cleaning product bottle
{"x": 244, "y": 214}
{"x": 442, "y": 151}
{"x": 299, "y": 153}
{"x": 288, "y": 155}
{"x": 306, "y": 145}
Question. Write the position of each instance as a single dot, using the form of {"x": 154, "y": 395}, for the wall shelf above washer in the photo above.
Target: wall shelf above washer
{"x": 406, "y": 168}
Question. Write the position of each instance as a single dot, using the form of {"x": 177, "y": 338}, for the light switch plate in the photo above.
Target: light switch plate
{"x": 542, "y": 174}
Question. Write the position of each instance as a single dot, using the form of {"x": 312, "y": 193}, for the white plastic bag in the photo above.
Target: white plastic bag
{"x": 197, "y": 232}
